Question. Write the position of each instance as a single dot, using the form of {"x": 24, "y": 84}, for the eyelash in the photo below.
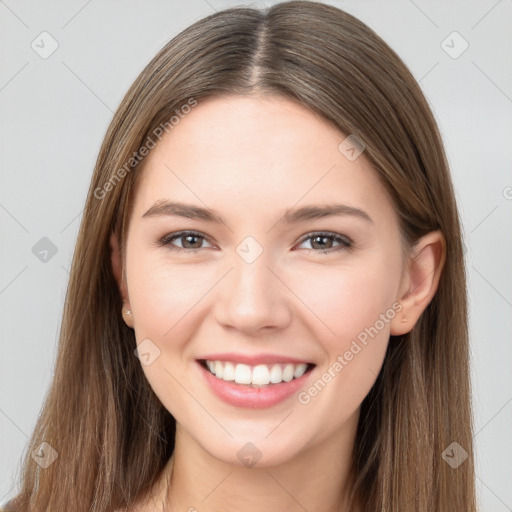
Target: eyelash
{"x": 345, "y": 242}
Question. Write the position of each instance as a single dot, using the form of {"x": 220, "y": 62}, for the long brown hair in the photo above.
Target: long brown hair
{"x": 112, "y": 436}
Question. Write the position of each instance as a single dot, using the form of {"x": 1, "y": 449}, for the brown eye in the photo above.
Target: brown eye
{"x": 190, "y": 241}
{"x": 324, "y": 243}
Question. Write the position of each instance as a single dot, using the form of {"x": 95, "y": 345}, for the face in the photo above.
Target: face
{"x": 242, "y": 275}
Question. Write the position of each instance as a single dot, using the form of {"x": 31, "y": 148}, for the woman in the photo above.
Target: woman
{"x": 267, "y": 303}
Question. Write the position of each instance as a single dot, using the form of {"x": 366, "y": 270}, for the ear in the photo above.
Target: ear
{"x": 420, "y": 281}
{"x": 117, "y": 268}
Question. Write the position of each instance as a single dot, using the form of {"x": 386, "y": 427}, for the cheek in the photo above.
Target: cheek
{"x": 163, "y": 294}
{"x": 164, "y": 299}
{"x": 347, "y": 299}
{"x": 353, "y": 308}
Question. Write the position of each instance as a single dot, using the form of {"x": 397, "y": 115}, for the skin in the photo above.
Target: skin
{"x": 251, "y": 159}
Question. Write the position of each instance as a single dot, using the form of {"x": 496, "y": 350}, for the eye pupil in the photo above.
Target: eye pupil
{"x": 188, "y": 237}
{"x": 322, "y": 243}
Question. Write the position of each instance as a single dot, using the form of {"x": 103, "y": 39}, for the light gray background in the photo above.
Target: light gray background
{"x": 54, "y": 115}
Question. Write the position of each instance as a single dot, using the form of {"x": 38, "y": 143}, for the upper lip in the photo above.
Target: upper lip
{"x": 253, "y": 360}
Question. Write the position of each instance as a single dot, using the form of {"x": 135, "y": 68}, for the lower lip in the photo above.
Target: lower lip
{"x": 241, "y": 395}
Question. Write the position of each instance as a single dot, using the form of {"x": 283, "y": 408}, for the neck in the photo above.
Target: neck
{"x": 316, "y": 478}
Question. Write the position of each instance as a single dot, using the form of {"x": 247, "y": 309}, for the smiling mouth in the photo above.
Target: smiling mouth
{"x": 258, "y": 376}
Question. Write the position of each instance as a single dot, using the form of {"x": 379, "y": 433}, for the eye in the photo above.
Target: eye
{"x": 321, "y": 242}
{"x": 191, "y": 241}
{"x": 324, "y": 242}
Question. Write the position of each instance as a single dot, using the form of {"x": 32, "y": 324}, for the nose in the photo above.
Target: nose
{"x": 253, "y": 298}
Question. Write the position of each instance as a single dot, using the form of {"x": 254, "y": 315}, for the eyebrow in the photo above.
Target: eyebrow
{"x": 290, "y": 216}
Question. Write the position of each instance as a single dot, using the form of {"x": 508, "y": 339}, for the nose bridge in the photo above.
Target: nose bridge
{"x": 253, "y": 279}
{"x": 252, "y": 296}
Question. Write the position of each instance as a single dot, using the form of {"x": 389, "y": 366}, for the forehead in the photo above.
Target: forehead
{"x": 263, "y": 153}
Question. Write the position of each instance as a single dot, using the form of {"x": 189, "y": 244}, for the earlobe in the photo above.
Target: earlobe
{"x": 117, "y": 269}
{"x": 424, "y": 269}
{"x": 127, "y": 316}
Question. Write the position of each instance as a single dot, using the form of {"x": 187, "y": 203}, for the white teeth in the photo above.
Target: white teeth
{"x": 300, "y": 369}
{"x": 276, "y": 374}
{"x": 242, "y": 373}
{"x": 259, "y": 375}
{"x": 288, "y": 372}
{"x": 229, "y": 372}
{"x": 219, "y": 369}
